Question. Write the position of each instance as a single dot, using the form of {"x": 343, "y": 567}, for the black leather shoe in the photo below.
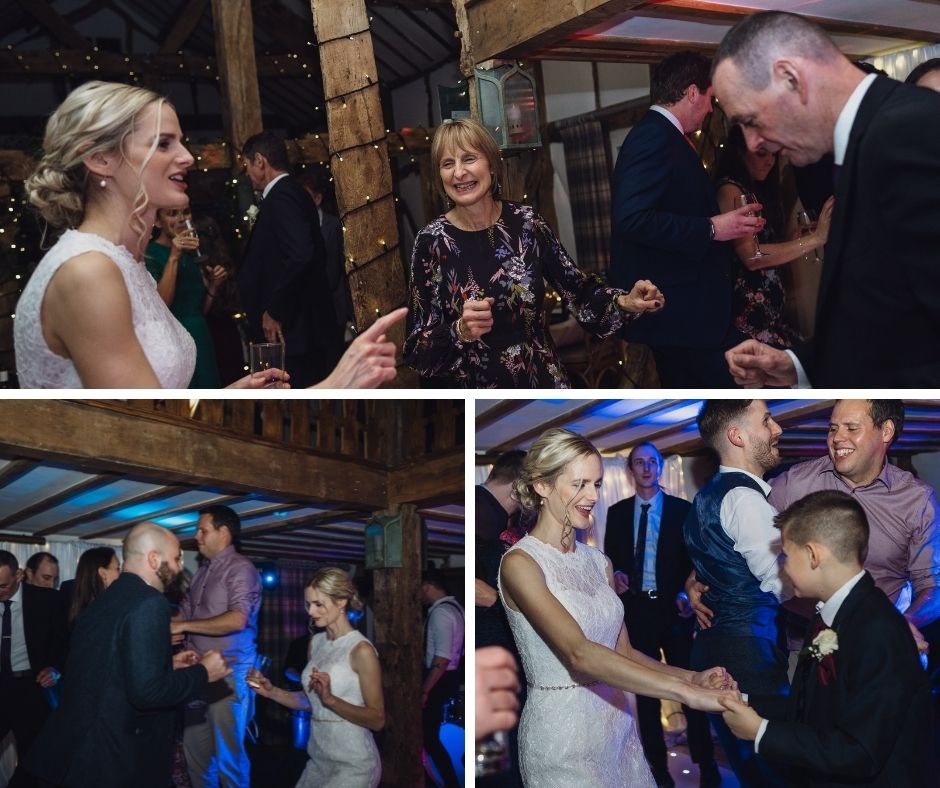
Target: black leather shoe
{"x": 709, "y": 776}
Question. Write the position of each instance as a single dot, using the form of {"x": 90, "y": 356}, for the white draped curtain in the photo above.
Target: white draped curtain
{"x": 899, "y": 64}
{"x": 68, "y": 553}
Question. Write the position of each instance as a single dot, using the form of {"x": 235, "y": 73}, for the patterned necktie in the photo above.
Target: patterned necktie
{"x": 639, "y": 554}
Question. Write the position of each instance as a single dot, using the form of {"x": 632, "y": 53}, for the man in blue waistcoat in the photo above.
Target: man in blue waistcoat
{"x": 734, "y": 547}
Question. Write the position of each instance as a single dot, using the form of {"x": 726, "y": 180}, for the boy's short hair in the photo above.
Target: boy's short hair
{"x": 829, "y": 517}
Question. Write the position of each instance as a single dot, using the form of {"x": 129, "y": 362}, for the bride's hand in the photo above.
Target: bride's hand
{"x": 263, "y": 379}
{"x": 714, "y": 678}
{"x": 708, "y": 699}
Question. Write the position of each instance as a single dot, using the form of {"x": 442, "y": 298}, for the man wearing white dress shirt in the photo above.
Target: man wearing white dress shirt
{"x": 785, "y": 82}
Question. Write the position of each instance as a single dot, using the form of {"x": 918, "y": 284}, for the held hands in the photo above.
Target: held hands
{"x": 370, "y": 360}
{"x": 741, "y": 718}
{"x": 476, "y": 319}
{"x": 739, "y": 223}
{"x": 185, "y": 659}
{"x": 753, "y": 364}
{"x": 215, "y": 665}
{"x": 644, "y": 297}
{"x": 714, "y": 678}
{"x": 320, "y": 684}
{"x": 706, "y": 699}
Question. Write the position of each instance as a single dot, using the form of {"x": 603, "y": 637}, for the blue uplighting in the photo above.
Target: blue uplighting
{"x": 173, "y": 520}
{"x": 89, "y": 498}
{"x": 139, "y": 510}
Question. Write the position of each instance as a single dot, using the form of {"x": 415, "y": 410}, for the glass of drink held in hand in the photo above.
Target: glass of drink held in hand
{"x": 259, "y": 671}
{"x": 264, "y": 356}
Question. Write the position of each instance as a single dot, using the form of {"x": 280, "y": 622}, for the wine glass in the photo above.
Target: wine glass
{"x": 201, "y": 258}
{"x": 807, "y": 225}
{"x": 747, "y": 199}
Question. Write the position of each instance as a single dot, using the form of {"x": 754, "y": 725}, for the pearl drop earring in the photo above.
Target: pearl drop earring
{"x": 103, "y": 183}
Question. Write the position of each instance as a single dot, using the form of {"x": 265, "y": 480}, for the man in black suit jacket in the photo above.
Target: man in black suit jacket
{"x": 650, "y": 582}
{"x": 114, "y": 726}
{"x": 283, "y": 279}
{"x": 32, "y": 646}
{"x": 859, "y": 708}
{"x": 878, "y": 311}
{"x": 667, "y": 228}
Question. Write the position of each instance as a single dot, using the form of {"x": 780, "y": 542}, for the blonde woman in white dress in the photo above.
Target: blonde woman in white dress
{"x": 568, "y": 624}
{"x": 90, "y": 315}
{"x": 342, "y": 688}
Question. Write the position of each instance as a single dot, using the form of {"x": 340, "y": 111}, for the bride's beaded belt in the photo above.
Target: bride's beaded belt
{"x": 564, "y": 686}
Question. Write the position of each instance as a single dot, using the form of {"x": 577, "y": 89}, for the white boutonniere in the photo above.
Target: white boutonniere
{"x": 251, "y": 214}
{"x": 824, "y": 645}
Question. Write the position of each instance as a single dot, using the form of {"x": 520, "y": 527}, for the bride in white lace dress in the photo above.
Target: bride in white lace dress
{"x": 90, "y": 315}
{"x": 568, "y": 625}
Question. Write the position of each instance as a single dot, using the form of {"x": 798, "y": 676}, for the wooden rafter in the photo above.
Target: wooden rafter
{"x": 187, "y": 18}
{"x": 58, "y": 27}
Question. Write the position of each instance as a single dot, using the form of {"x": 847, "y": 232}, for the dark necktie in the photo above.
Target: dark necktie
{"x": 639, "y": 554}
{"x": 6, "y": 644}
{"x": 836, "y": 169}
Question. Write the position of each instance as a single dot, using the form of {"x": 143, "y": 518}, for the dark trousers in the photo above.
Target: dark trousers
{"x": 931, "y": 634}
{"x": 694, "y": 367}
{"x": 654, "y": 625}
{"x": 23, "y": 710}
{"x": 760, "y": 667}
{"x": 431, "y": 718}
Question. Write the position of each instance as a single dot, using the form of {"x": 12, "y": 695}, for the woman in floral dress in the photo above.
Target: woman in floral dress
{"x": 477, "y": 316}
{"x": 758, "y": 303}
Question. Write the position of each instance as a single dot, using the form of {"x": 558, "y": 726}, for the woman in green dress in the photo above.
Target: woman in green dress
{"x": 186, "y": 288}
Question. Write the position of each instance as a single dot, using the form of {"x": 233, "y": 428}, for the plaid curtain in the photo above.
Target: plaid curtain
{"x": 589, "y": 191}
{"x": 282, "y": 617}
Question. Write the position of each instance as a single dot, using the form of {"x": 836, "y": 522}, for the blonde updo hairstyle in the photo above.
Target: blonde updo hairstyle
{"x": 335, "y": 583}
{"x": 466, "y": 134}
{"x": 546, "y": 460}
{"x": 96, "y": 117}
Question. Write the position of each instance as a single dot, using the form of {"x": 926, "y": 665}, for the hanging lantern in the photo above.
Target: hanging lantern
{"x": 383, "y": 542}
{"x": 508, "y": 106}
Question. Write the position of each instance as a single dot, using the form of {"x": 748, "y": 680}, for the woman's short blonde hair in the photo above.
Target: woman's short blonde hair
{"x": 335, "y": 583}
{"x": 466, "y": 134}
{"x": 546, "y": 460}
{"x": 96, "y": 117}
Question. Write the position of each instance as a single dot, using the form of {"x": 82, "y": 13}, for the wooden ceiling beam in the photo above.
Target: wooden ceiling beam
{"x": 104, "y": 438}
{"x": 61, "y": 30}
{"x": 437, "y": 478}
{"x": 534, "y": 432}
{"x": 188, "y": 15}
{"x": 516, "y": 28}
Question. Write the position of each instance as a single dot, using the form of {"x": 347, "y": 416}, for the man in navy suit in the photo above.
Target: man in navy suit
{"x": 32, "y": 645}
{"x": 667, "y": 228}
{"x": 283, "y": 280}
{"x": 649, "y": 578}
{"x": 783, "y": 80}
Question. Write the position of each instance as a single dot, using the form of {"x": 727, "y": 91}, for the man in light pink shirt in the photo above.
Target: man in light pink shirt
{"x": 221, "y": 612}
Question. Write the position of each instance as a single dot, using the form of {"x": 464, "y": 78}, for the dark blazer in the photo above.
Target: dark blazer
{"x": 284, "y": 273}
{"x": 114, "y": 727}
{"x": 332, "y": 231}
{"x": 672, "y": 561}
{"x": 872, "y": 724}
{"x": 878, "y": 310}
{"x": 44, "y": 626}
{"x": 661, "y": 202}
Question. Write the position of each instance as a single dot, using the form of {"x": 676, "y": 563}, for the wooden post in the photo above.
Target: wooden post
{"x": 397, "y": 627}
{"x": 359, "y": 161}
{"x": 235, "y": 51}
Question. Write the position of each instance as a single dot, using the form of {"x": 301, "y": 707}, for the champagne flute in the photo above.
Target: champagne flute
{"x": 807, "y": 225}
{"x": 747, "y": 199}
{"x": 201, "y": 258}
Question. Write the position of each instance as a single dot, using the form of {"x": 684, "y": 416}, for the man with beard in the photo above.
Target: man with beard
{"x": 734, "y": 547}
{"x": 221, "y": 612}
{"x": 114, "y": 726}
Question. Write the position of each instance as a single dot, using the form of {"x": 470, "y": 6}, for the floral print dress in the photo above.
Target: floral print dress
{"x": 758, "y": 302}
{"x": 509, "y": 262}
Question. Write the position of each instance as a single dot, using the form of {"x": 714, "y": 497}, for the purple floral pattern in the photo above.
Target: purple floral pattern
{"x": 510, "y": 263}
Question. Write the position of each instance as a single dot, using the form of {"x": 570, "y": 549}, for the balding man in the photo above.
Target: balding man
{"x": 114, "y": 727}
{"x": 783, "y": 80}
{"x": 42, "y": 569}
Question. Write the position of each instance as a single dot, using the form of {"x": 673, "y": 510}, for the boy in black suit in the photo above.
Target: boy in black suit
{"x": 859, "y": 709}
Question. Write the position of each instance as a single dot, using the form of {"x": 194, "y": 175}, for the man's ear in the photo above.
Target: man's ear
{"x": 734, "y": 436}
{"x": 790, "y": 74}
{"x": 816, "y": 553}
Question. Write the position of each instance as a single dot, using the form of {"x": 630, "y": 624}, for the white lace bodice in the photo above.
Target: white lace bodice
{"x": 168, "y": 346}
{"x": 342, "y": 754}
{"x": 574, "y": 732}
